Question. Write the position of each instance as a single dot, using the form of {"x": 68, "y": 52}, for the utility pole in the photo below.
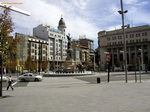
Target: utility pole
{"x": 124, "y": 38}
{"x": 5, "y": 5}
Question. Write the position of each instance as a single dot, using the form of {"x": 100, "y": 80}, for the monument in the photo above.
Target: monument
{"x": 69, "y": 64}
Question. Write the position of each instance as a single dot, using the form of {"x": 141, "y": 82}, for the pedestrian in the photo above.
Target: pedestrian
{"x": 10, "y": 83}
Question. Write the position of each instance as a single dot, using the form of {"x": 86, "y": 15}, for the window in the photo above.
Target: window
{"x": 44, "y": 46}
{"x": 35, "y": 46}
{"x": 35, "y": 52}
{"x": 113, "y": 38}
{"x": 143, "y": 34}
{"x": 32, "y": 57}
{"x": 32, "y": 44}
{"x": 51, "y": 34}
{"x": 130, "y": 36}
{"x": 32, "y": 50}
{"x": 136, "y": 35}
{"x": 139, "y": 34}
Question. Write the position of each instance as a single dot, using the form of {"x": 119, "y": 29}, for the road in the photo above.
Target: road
{"x": 20, "y": 84}
{"x": 69, "y": 94}
{"x": 114, "y": 77}
{"x": 92, "y": 79}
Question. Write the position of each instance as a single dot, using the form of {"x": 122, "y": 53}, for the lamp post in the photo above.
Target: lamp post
{"x": 1, "y": 64}
{"x": 123, "y": 60}
{"x": 124, "y": 38}
{"x": 93, "y": 60}
{"x": 57, "y": 60}
{"x": 15, "y": 9}
{"x": 108, "y": 63}
{"x": 141, "y": 58}
{"x": 1, "y": 60}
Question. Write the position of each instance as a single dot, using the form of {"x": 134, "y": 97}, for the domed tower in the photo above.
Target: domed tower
{"x": 62, "y": 25}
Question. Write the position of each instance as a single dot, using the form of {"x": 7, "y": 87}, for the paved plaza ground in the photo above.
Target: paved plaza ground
{"x": 70, "y": 94}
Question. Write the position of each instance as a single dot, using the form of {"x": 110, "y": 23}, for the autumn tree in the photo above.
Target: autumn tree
{"x": 44, "y": 65}
{"x": 52, "y": 66}
{"x": 34, "y": 66}
{"x": 12, "y": 53}
{"x": 6, "y": 27}
{"x": 28, "y": 63}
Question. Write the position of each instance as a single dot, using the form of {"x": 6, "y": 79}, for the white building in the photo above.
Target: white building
{"x": 57, "y": 41}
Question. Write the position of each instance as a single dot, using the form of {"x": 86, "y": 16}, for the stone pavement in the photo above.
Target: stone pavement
{"x": 68, "y": 94}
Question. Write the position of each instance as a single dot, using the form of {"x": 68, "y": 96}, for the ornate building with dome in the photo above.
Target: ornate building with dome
{"x": 57, "y": 41}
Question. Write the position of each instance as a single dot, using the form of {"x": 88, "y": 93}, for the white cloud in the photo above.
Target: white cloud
{"x": 82, "y": 17}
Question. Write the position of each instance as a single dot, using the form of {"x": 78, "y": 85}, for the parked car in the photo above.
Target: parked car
{"x": 117, "y": 69}
{"x": 4, "y": 79}
{"x": 132, "y": 68}
{"x": 30, "y": 77}
{"x": 59, "y": 71}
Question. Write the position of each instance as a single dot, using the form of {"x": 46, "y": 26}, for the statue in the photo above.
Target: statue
{"x": 69, "y": 41}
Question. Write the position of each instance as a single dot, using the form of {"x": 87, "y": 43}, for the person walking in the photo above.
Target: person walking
{"x": 10, "y": 83}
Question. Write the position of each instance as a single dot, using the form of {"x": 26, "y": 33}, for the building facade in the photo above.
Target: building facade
{"x": 84, "y": 50}
{"x": 49, "y": 44}
{"x": 57, "y": 41}
{"x": 31, "y": 46}
{"x": 137, "y": 45}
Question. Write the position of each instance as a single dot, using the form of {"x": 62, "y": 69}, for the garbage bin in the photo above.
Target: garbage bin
{"x": 98, "y": 79}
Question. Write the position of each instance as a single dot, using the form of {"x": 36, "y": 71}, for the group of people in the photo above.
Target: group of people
{"x": 80, "y": 68}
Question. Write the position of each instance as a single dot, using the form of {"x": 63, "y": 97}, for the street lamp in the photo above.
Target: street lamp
{"x": 15, "y": 9}
{"x": 93, "y": 60}
{"x": 108, "y": 62}
{"x": 141, "y": 58}
{"x": 123, "y": 59}
{"x": 124, "y": 38}
{"x": 57, "y": 59}
{"x": 1, "y": 60}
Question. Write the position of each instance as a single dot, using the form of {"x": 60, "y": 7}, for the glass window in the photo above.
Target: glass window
{"x": 32, "y": 44}
{"x": 32, "y": 50}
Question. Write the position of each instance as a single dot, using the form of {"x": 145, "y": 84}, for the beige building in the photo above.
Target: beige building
{"x": 84, "y": 51}
{"x": 137, "y": 45}
{"x": 32, "y": 46}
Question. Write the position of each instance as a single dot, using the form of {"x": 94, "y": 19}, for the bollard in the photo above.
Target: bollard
{"x": 98, "y": 80}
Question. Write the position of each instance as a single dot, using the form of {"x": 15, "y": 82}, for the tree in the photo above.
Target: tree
{"x": 44, "y": 65}
{"x": 34, "y": 66}
{"x": 6, "y": 27}
{"x": 28, "y": 63}
{"x": 52, "y": 66}
{"x": 11, "y": 54}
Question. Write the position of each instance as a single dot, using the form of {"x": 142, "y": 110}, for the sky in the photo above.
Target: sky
{"x": 83, "y": 18}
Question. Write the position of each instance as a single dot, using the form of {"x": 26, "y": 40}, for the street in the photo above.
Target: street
{"x": 114, "y": 76}
{"x": 69, "y": 94}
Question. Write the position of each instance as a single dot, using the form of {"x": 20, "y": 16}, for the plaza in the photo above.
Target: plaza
{"x": 71, "y": 94}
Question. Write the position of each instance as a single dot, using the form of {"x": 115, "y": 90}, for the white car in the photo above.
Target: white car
{"x": 30, "y": 77}
{"x": 117, "y": 69}
{"x": 4, "y": 79}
